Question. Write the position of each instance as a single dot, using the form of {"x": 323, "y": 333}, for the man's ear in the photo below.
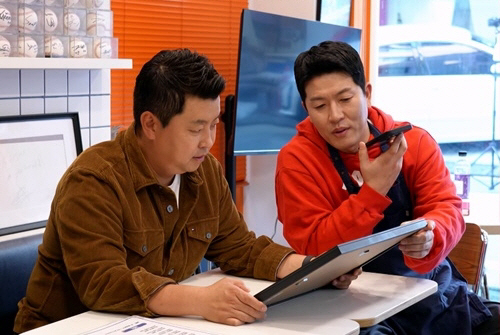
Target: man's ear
{"x": 149, "y": 125}
{"x": 368, "y": 94}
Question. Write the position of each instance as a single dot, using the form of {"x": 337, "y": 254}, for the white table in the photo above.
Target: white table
{"x": 370, "y": 299}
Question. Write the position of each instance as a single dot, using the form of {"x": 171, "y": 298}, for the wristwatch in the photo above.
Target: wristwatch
{"x": 306, "y": 260}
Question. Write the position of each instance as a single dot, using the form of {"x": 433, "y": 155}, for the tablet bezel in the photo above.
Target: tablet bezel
{"x": 337, "y": 261}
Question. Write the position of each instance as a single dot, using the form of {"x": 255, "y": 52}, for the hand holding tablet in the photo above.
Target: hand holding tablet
{"x": 336, "y": 262}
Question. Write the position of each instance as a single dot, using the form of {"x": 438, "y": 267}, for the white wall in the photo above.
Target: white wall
{"x": 87, "y": 92}
{"x": 259, "y": 202}
{"x": 303, "y": 9}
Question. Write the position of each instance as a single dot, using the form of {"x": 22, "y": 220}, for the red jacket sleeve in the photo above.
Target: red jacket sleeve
{"x": 318, "y": 214}
{"x": 313, "y": 218}
{"x": 434, "y": 198}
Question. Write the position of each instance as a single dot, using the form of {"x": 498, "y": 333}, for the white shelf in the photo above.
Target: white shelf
{"x": 64, "y": 63}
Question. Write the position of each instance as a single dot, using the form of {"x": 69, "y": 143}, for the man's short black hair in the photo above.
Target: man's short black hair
{"x": 328, "y": 57}
{"x": 164, "y": 81}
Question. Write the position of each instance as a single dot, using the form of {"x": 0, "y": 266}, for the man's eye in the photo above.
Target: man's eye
{"x": 319, "y": 106}
{"x": 346, "y": 99}
{"x": 197, "y": 131}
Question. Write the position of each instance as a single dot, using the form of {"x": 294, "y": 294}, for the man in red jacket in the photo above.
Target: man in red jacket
{"x": 331, "y": 188}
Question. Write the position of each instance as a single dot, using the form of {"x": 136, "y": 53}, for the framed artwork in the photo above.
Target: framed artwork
{"x": 334, "y": 11}
{"x": 35, "y": 151}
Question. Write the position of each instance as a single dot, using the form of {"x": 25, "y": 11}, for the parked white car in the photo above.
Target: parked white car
{"x": 437, "y": 78}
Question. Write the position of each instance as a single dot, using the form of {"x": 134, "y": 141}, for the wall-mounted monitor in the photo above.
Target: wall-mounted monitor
{"x": 268, "y": 105}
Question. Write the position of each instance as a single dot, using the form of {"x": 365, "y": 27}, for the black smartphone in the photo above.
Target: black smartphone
{"x": 385, "y": 137}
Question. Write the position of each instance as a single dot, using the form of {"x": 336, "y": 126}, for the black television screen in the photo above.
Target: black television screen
{"x": 268, "y": 105}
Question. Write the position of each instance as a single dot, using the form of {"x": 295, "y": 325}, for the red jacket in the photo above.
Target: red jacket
{"x": 317, "y": 212}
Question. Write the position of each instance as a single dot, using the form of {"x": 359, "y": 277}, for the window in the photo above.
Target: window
{"x": 435, "y": 67}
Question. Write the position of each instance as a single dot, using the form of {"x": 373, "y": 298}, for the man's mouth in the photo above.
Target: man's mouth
{"x": 340, "y": 131}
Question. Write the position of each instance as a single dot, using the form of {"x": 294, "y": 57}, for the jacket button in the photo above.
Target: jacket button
{"x": 208, "y": 235}
{"x": 170, "y": 208}
{"x": 171, "y": 271}
{"x": 144, "y": 248}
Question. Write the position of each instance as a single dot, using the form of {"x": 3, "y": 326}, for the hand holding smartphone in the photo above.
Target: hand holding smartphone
{"x": 388, "y": 135}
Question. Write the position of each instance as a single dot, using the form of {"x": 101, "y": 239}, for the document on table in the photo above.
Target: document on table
{"x": 143, "y": 326}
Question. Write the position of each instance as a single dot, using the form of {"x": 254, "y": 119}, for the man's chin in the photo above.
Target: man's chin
{"x": 193, "y": 165}
{"x": 345, "y": 148}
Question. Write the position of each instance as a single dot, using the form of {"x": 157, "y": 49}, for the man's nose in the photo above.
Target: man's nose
{"x": 208, "y": 139}
{"x": 336, "y": 113}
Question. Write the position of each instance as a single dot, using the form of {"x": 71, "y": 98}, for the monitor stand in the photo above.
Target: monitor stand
{"x": 229, "y": 119}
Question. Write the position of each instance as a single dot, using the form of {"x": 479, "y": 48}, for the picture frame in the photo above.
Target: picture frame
{"x": 35, "y": 151}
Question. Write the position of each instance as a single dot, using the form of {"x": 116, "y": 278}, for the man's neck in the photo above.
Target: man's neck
{"x": 164, "y": 181}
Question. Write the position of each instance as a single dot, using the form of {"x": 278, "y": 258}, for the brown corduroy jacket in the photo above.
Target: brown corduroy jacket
{"x": 115, "y": 236}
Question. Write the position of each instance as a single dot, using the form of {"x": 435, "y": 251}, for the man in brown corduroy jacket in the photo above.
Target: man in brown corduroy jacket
{"x": 134, "y": 216}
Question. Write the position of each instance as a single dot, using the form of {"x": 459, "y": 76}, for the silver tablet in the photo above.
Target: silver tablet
{"x": 337, "y": 261}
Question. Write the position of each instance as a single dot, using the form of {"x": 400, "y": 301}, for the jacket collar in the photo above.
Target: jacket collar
{"x": 141, "y": 172}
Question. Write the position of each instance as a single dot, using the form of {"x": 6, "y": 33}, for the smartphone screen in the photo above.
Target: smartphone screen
{"x": 386, "y": 136}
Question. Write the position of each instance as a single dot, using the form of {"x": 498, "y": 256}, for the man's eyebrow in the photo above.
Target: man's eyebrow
{"x": 199, "y": 121}
{"x": 203, "y": 122}
{"x": 347, "y": 89}
{"x": 318, "y": 98}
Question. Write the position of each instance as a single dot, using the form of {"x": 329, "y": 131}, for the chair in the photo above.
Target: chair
{"x": 468, "y": 257}
{"x": 17, "y": 258}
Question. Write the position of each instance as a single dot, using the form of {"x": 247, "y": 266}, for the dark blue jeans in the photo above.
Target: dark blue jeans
{"x": 489, "y": 327}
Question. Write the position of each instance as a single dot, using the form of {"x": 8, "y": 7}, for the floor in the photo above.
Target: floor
{"x": 485, "y": 179}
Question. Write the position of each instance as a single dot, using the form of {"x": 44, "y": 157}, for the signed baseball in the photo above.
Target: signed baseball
{"x": 94, "y": 3}
{"x": 53, "y": 47}
{"x": 5, "y": 18}
{"x": 27, "y": 19}
{"x": 51, "y": 21}
{"x": 71, "y": 22}
{"x": 97, "y": 24}
{"x": 4, "y": 47}
{"x": 27, "y": 47}
{"x": 71, "y": 3}
{"x": 102, "y": 48}
{"x": 77, "y": 48}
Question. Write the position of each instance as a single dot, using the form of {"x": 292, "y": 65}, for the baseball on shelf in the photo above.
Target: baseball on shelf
{"x": 5, "y": 18}
{"x": 77, "y": 48}
{"x": 4, "y": 47}
{"x": 97, "y": 24}
{"x": 71, "y": 21}
{"x": 102, "y": 48}
{"x": 53, "y": 47}
{"x": 71, "y": 3}
{"x": 94, "y": 3}
{"x": 51, "y": 21}
{"x": 27, "y": 47}
{"x": 27, "y": 19}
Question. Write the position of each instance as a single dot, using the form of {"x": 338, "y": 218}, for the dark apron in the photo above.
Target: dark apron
{"x": 453, "y": 309}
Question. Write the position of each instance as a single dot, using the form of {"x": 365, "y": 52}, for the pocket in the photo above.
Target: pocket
{"x": 143, "y": 242}
{"x": 200, "y": 235}
{"x": 203, "y": 230}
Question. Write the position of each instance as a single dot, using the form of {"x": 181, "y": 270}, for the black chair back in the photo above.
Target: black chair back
{"x": 17, "y": 259}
